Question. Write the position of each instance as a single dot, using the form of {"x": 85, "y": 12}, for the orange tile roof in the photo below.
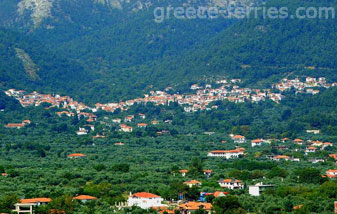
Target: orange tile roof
{"x": 298, "y": 207}
{"x": 230, "y": 181}
{"x": 192, "y": 182}
{"x": 195, "y": 206}
{"x": 281, "y": 157}
{"x": 217, "y": 193}
{"x": 208, "y": 170}
{"x": 227, "y": 151}
{"x": 10, "y": 125}
{"x": 35, "y": 200}
{"x": 84, "y": 197}
{"x": 238, "y": 137}
{"x": 183, "y": 171}
{"x": 76, "y": 155}
{"x": 333, "y": 156}
{"x": 145, "y": 195}
{"x": 312, "y": 148}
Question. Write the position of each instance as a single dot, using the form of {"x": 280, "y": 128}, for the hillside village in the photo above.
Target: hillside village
{"x": 200, "y": 100}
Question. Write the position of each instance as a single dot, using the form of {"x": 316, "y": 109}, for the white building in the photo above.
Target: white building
{"x": 257, "y": 189}
{"x": 26, "y": 206}
{"x": 238, "y": 139}
{"x": 231, "y": 183}
{"x": 82, "y": 131}
{"x": 228, "y": 154}
{"x": 145, "y": 200}
{"x": 257, "y": 142}
{"x": 310, "y": 149}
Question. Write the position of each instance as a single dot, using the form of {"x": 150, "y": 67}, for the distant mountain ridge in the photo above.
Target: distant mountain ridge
{"x": 44, "y": 13}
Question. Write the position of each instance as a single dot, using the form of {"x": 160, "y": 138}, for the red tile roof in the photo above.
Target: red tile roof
{"x": 145, "y": 195}
{"x": 195, "y": 206}
{"x": 84, "y": 197}
{"x": 14, "y": 125}
{"x": 238, "y": 137}
{"x": 35, "y": 200}
{"x": 192, "y": 182}
{"x": 76, "y": 155}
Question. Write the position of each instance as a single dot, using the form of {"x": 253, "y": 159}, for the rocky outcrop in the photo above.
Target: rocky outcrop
{"x": 39, "y": 9}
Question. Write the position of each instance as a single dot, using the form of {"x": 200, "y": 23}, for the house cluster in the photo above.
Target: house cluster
{"x": 307, "y": 147}
{"x": 36, "y": 99}
{"x": 303, "y": 87}
{"x": 131, "y": 118}
{"x": 200, "y": 100}
{"x": 147, "y": 200}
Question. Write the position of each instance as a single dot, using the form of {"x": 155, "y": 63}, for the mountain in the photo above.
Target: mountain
{"x": 105, "y": 50}
{"x": 257, "y": 49}
{"x": 28, "y": 64}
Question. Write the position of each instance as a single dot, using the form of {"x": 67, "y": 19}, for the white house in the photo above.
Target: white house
{"x": 257, "y": 142}
{"x": 208, "y": 172}
{"x": 257, "y": 189}
{"x": 142, "y": 116}
{"x": 27, "y": 205}
{"x": 183, "y": 172}
{"x": 226, "y": 153}
{"x": 126, "y": 128}
{"x": 310, "y": 149}
{"x": 82, "y": 131}
{"x": 238, "y": 139}
{"x": 313, "y": 131}
{"x": 145, "y": 200}
{"x": 231, "y": 183}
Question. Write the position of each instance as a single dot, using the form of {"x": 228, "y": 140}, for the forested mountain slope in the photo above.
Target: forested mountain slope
{"x": 27, "y": 64}
{"x": 100, "y": 52}
{"x": 256, "y": 49}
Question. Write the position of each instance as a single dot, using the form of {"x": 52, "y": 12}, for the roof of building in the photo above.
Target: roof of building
{"x": 227, "y": 151}
{"x": 15, "y": 125}
{"x": 195, "y": 206}
{"x": 238, "y": 137}
{"x": 76, "y": 155}
{"x": 192, "y": 182}
{"x": 35, "y": 200}
{"x": 281, "y": 157}
{"x": 219, "y": 193}
{"x": 144, "y": 195}
{"x": 229, "y": 181}
{"x": 84, "y": 197}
